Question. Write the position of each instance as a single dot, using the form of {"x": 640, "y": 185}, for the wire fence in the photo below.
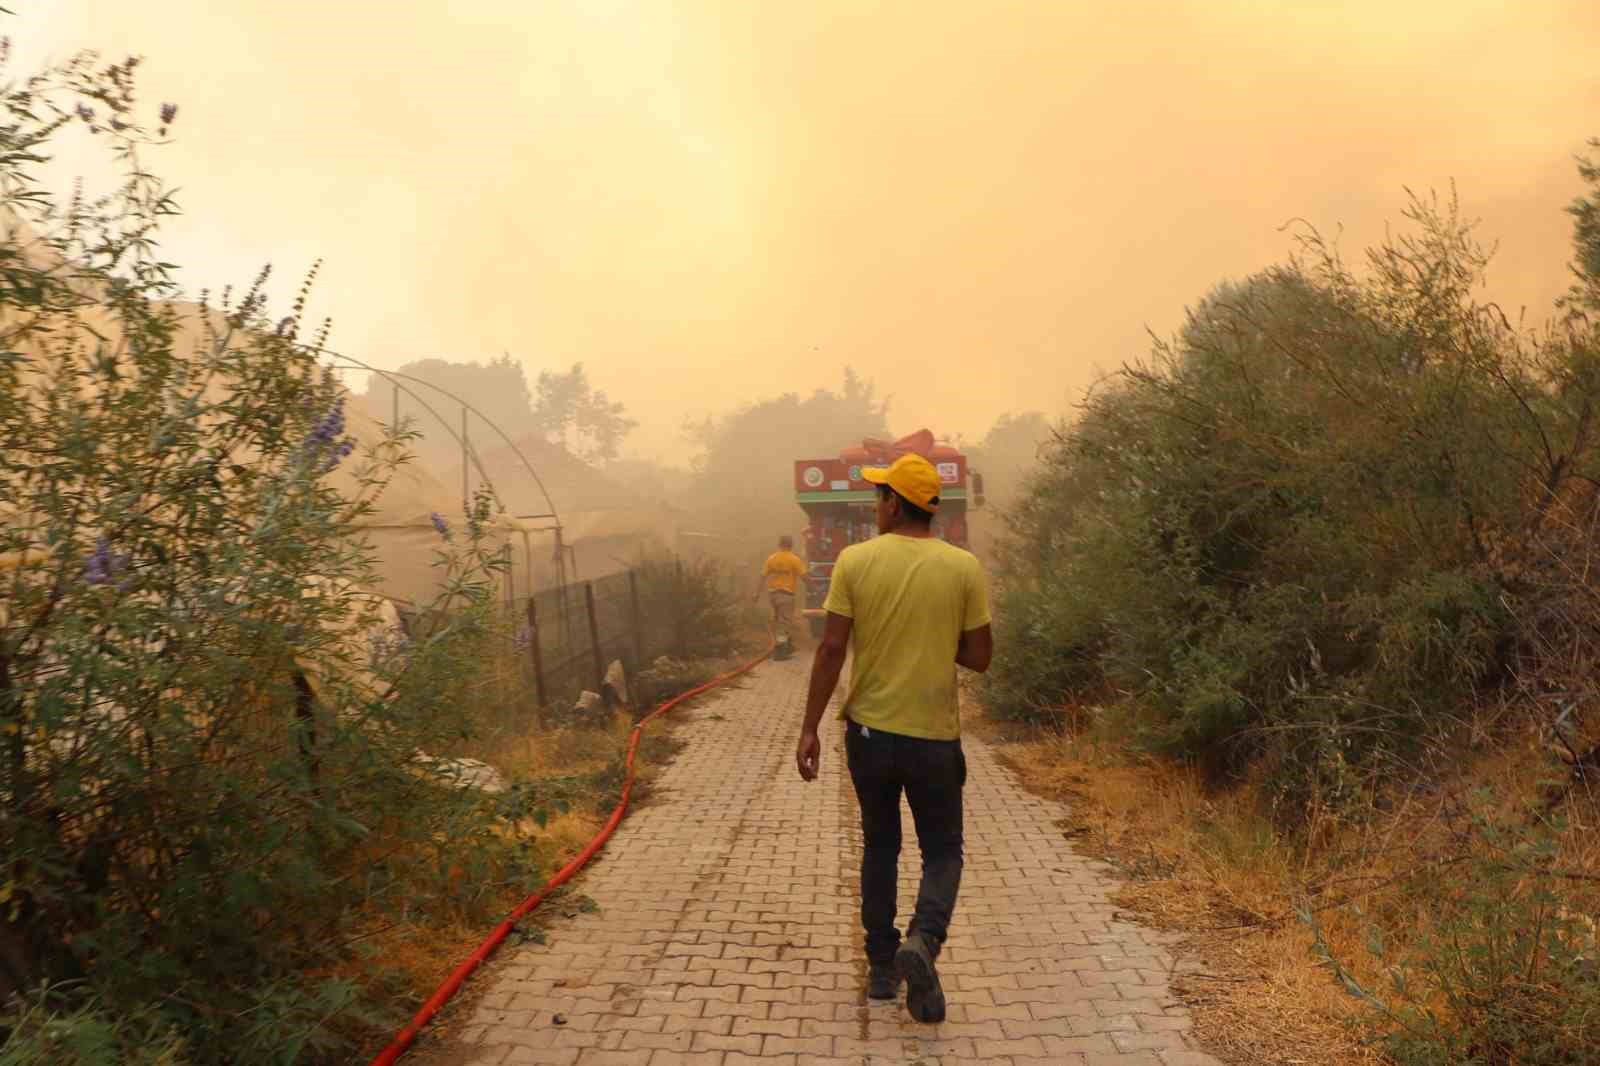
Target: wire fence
{"x": 572, "y": 634}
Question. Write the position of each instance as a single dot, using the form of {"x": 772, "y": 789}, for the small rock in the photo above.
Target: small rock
{"x": 559, "y": 1019}
{"x": 615, "y": 686}
{"x": 589, "y": 702}
{"x": 466, "y": 773}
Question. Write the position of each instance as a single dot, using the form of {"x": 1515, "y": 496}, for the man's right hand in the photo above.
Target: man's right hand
{"x": 807, "y": 755}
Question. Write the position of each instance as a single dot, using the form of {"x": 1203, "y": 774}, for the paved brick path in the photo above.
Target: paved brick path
{"x": 727, "y": 931}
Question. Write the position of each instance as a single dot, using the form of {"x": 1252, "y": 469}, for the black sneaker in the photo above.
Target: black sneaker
{"x": 924, "y": 993}
{"x": 883, "y": 982}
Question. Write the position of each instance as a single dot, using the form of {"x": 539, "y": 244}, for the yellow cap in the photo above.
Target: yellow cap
{"x": 911, "y": 476}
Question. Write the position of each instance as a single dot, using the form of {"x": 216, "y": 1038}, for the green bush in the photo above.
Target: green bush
{"x": 1046, "y": 644}
{"x": 1303, "y": 527}
{"x": 1508, "y": 968}
{"x": 208, "y": 791}
{"x": 60, "y": 1027}
{"x": 687, "y": 607}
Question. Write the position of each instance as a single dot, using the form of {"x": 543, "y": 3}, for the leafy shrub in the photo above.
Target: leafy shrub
{"x": 208, "y": 790}
{"x": 1507, "y": 970}
{"x": 58, "y": 1027}
{"x": 686, "y": 607}
{"x": 1305, "y": 527}
{"x": 1045, "y": 645}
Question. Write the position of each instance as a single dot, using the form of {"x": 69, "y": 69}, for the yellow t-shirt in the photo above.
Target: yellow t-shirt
{"x": 782, "y": 570}
{"x": 910, "y": 599}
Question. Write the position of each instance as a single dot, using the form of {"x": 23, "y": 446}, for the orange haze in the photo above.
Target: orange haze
{"x": 707, "y": 201}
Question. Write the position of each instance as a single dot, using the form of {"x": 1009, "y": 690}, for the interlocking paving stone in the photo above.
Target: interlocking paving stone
{"x": 727, "y": 926}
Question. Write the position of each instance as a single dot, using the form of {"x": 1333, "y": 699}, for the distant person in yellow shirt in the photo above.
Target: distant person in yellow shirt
{"x": 780, "y": 580}
{"x": 915, "y": 607}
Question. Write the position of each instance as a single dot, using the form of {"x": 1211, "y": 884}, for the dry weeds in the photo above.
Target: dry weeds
{"x": 426, "y": 951}
{"x": 1207, "y": 863}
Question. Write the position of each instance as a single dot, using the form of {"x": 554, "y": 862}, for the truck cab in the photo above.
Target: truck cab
{"x": 841, "y": 508}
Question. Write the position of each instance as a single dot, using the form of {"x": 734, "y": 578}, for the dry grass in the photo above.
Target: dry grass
{"x": 1208, "y": 864}
{"x": 589, "y": 753}
{"x": 1209, "y": 868}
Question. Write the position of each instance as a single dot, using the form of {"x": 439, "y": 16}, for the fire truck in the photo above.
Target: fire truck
{"x": 841, "y": 508}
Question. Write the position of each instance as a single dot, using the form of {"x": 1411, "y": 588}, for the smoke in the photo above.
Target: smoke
{"x": 975, "y": 205}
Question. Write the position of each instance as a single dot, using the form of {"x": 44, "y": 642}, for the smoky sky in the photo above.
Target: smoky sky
{"x": 977, "y": 205}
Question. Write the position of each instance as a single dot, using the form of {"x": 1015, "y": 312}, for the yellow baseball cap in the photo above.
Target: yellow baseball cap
{"x": 911, "y": 476}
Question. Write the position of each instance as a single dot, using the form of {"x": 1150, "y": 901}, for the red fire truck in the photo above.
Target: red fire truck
{"x": 841, "y": 508}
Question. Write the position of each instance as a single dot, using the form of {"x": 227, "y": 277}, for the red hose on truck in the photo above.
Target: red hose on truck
{"x": 454, "y": 982}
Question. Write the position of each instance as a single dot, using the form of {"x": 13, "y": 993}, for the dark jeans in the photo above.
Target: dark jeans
{"x": 932, "y": 774}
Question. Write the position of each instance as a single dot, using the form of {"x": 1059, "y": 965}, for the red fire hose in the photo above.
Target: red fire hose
{"x": 452, "y": 983}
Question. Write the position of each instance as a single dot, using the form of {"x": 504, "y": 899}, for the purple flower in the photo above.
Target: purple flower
{"x": 328, "y": 440}
{"x": 340, "y": 453}
{"x": 97, "y": 570}
{"x": 440, "y": 524}
{"x": 329, "y": 427}
{"x": 103, "y": 564}
{"x": 86, "y": 112}
{"x": 168, "y": 113}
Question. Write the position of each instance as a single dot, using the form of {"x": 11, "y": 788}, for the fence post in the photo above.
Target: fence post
{"x": 594, "y": 636}
{"x": 305, "y": 712}
{"x": 638, "y": 623}
{"x": 677, "y": 607}
{"x": 538, "y": 656}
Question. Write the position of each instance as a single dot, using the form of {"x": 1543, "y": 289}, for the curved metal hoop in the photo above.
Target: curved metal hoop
{"x": 395, "y": 377}
{"x": 350, "y": 362}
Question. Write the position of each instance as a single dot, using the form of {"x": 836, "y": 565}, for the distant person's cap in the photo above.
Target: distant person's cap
{"x": 911, "y": 476}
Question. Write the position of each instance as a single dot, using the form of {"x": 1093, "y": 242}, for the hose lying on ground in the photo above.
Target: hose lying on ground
{"x": 453, "y": 983}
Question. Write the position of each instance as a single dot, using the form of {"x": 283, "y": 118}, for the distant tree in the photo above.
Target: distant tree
{"x": 1008, "y": 452}
{"x": 648, "y": 481}
{"x": 1585, "y": 211}
{"x": 498, "y": 389}
{"x": 744, "y": 460}
{"x": 563, "y": 407}
{"x": 581, "y": 418}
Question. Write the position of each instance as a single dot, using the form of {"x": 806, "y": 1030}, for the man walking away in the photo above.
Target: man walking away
{"x": 914, "y": 607}
{"x": 780, "y": 579}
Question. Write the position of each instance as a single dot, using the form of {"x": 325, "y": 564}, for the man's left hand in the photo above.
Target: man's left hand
{"x": 808, "y": 755}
